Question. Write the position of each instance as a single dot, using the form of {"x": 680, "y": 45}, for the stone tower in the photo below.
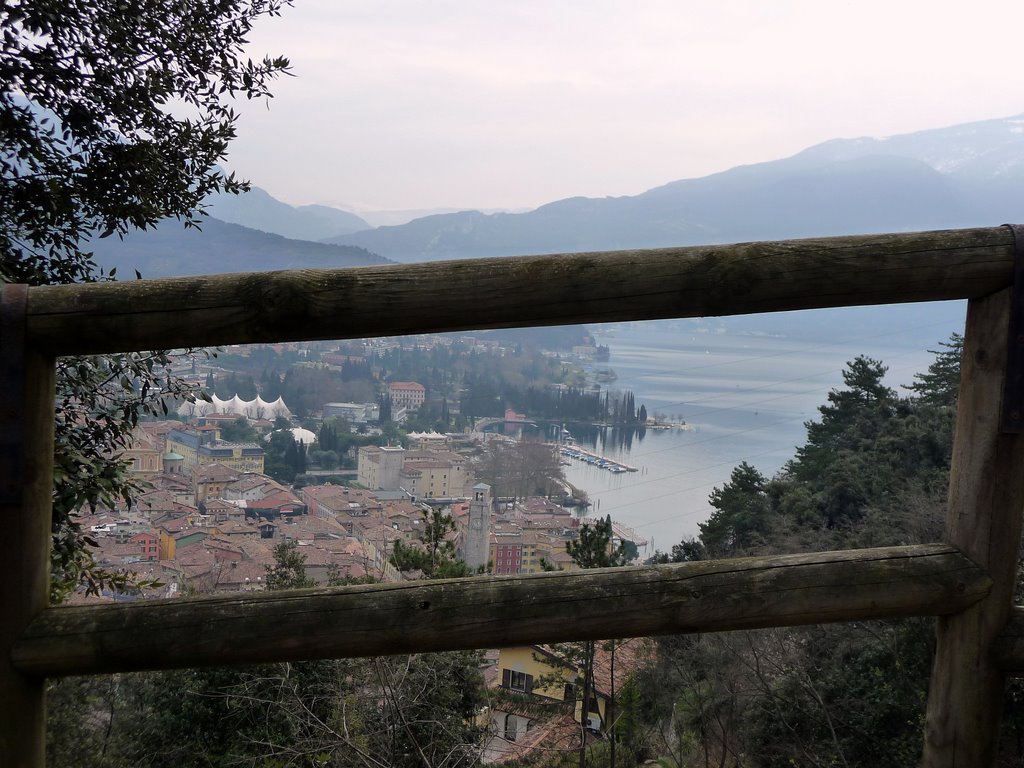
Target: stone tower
{"x": 478, "y": 536}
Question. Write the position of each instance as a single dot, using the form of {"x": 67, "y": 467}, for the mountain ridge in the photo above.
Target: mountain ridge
{"x": 258, "y": 209}
{"x": 170, "y": 249}
{"x": 842, "y": 186}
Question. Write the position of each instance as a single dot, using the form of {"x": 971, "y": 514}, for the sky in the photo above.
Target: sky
{"x": 412, "y": 105}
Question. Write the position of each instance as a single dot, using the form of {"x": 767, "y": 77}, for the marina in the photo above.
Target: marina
{"x": 589, "y": 457}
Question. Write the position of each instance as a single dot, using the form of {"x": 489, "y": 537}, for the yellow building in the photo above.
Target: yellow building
{"x": 200, "y": 447}
{"x": 210, "y": 480}
{"x": 241, "y": 457}
{"x": 547, "y": 671}
{"x": 425, "y": 474}
{"x": 146, "y": 459}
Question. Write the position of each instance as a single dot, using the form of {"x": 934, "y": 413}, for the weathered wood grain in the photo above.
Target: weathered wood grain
{"x": 25, "y": 559}
{"x": 1009, "y": 650}
{"x": 493, "y": 612}
{"x": 986, "y": 502}
{"x": 521, "y": 291}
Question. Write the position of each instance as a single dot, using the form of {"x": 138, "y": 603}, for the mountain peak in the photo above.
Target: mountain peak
{"x": 257, "y": 209}
{"x": 977, "y": 150}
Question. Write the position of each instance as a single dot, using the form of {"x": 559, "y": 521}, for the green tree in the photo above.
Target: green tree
{"x": 407, "y": 557}
{"x": 239, "y": 431}
{"x": 840, "y": 465}
{"x": 741, "y": 517}
{"x": 851, "y": 417}
{"x": 686, "y": 551}
{"x": 285, "y": 456}
{"x": 289, "y": 568}
{"x": 114, "y": 117}
{"x": 435, "y": 538}
{"x": 436, "y": 558}
{"x": 940, "y": 384}
{"x": 595, "y": 548}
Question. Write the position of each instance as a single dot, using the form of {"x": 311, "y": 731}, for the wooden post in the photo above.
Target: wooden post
{"x": 26, "y": 488}
{"x": 986, "y": 500}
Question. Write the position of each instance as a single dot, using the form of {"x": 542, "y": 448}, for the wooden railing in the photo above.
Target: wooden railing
{"x": 967, "y": 581}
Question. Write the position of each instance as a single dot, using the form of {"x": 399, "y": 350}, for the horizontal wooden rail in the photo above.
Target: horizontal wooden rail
{"x": 783, "y": 590}
{"x": 520, "y": 291}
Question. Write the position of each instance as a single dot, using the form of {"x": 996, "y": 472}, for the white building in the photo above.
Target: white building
{"x": 380, "y": 467}
{"x": 406, "y": 394}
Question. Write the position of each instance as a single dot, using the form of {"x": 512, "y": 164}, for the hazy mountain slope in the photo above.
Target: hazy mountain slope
{"x": 982, "y": 150}
{"x": 170, "y": 250}
{"x": 256, "y": 209}
{"x": 971, "y": 175}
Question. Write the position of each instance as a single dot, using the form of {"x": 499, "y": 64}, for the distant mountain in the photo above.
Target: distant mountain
{"x": 983, "y": 151}
{"x": 257, "y": 209}
{"x": 172, "y": 250}
{"x": 396, "y": 217}
{"x": 967, "y": 175}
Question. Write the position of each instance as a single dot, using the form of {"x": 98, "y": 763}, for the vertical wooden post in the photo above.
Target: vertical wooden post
{"x": 986, "y": 501}
{"x": 26, "y": 489}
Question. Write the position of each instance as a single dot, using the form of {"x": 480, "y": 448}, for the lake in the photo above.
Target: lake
{"x": 744, "y": 392}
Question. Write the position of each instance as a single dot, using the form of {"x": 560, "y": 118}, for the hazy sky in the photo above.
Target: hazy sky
{"x": 404, "y": 104}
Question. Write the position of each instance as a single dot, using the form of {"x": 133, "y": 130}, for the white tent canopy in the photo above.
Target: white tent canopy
{"x": 300, "y": 435}
{"x": 252, "y": 409}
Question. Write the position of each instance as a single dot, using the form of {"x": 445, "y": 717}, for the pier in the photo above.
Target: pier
{"x": 603, "y": 462}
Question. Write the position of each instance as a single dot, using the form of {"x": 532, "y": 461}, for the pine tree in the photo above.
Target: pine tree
{"x": 940, "y": 385}
{"x": 741, "y": 517}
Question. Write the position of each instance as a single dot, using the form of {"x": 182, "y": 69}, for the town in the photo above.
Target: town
{"x": 230, "y": 477}
{"x": 217, "y": 515}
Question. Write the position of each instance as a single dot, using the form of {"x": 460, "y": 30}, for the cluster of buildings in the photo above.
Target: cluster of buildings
{"x": 431, "y": 471}
{"x": 212, "y": 520}
{"x": 172, "y": 448}
{"x": 211, "y": 504}
{"x": 519, "y": 537}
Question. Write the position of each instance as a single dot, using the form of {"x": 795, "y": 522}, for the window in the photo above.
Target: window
{"x": 517, "y": 681}
{"x": 511, "y": 727}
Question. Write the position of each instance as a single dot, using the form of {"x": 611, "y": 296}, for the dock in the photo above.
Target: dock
{"x": 596, "y": 459}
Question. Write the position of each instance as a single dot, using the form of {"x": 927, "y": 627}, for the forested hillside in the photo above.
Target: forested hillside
{"x": 872, "y": 472}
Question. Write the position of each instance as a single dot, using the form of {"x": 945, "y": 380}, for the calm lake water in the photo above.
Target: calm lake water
{"x": 745, "y": 397}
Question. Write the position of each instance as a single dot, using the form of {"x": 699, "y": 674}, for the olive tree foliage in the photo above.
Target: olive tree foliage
{"x": 113, "y": 116}
{"x": 100, "y": 400}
